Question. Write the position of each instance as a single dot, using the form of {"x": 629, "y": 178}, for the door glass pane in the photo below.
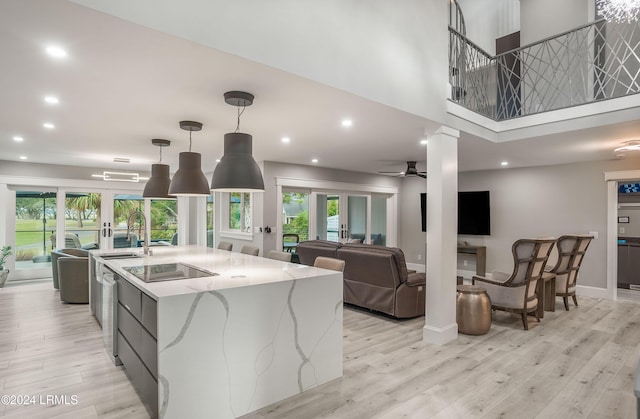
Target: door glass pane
{"x": 82, "y": 220}
{"x": 357, "y": 218}
{"x": 379, "y": 220}
{"x": 35, "y": 222}
{"x": 210, "y": 220}
{"x": 123, "y": 206}
{"x": 164, "y": 221}
{"x": 327, "y": 216}
{"x": 295, "y": 218}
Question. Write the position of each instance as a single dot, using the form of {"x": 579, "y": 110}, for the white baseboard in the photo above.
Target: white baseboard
{"x": 592, "y": 292}
{"x": 440, "y": 335}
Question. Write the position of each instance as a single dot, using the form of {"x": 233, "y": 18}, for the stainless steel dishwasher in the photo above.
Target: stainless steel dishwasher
{"x": 109, "y": 311}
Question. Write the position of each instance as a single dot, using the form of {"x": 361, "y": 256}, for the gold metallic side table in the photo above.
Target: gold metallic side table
{"x": 473, "y": 310}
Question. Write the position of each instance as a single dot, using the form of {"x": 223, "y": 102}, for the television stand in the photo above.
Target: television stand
{"x": 481, "y": 256}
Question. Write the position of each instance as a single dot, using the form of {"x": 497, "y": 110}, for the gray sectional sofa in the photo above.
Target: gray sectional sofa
{"x": 375, "y": 277}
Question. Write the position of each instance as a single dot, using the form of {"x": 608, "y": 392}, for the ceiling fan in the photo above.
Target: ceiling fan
{"x": 409, "y": 172}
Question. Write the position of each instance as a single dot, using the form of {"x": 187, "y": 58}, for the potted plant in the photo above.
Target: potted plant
{"x": 4, "y": 273}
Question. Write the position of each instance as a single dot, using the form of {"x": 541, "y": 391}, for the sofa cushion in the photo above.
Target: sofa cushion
{"x": 308, "y": 251}
{"x": 396, "y": 254}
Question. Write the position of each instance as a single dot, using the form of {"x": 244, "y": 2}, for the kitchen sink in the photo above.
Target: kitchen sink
{"x": 120, "y": 256}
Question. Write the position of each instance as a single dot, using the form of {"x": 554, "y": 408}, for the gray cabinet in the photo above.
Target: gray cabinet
{"x": 137, "y": 344}
{"x": 629, "y": 266}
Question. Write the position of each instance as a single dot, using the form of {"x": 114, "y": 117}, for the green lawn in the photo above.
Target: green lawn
{"x": 29, "y": 232}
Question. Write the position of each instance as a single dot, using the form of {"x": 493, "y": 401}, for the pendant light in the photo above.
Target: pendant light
{"x": 237, "y": 170}
{"x": 157, "y": 186}
{"x": 620, "y": 11}
{"x": 189, "y": 179}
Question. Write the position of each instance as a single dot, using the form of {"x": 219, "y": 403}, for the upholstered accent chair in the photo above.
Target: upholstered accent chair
{"x": 250, "y": 250}
{"x": 71, "y": 274}
{"x": 71, "y": 241}
{"x": 278, "y": 255}
{"x": 225, "y": 246}
{"x": 329, "y": 263}
{"x": 571, "y": 251}
{"x": 516, "y": 293}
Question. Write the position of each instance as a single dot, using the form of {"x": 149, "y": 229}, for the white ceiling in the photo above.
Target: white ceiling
{"x": 124, "y": 84}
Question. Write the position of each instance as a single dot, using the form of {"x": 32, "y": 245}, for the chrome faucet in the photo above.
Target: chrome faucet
{"x": 145, "y": 244}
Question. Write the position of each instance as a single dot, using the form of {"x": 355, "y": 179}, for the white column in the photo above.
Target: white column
{"x": 442, "y": 220}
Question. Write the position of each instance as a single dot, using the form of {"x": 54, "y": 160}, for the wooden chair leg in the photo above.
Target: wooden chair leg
{"x": 566, "y": 303}
{"x": 575, "y": 300}
{"x": 537, "y": 316}
{"x": 525, "y": 321}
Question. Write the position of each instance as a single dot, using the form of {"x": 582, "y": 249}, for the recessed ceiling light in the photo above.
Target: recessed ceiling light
{"x": 23, "y": 157}
{"x": 314, "y": 160}
{"x": 217, "y": 160}
{"x": 56, "y": 52}
{"x": 48, "y": 125}
{"x": 347, "y": 123}
{"x": 52, "y": 100}
{"x": 505, "y": 163}
{"x": 18, "y": 139}
{"x": 286, "y": 140}
{"x": 424, "y": 141}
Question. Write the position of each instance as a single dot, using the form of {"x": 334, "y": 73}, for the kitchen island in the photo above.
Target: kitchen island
{"x": 249, "y": 332}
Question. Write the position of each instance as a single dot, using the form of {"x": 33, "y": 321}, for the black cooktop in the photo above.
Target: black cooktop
{"x": 167, "y": 272}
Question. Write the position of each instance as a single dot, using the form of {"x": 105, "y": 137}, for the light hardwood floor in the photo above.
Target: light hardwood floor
{"x": 578, "y": 364}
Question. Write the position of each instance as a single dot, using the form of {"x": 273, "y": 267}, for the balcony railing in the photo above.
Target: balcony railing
{"x": 597, "y": 61}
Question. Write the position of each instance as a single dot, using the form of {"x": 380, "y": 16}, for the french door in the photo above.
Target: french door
{"x": 340, "y": 216}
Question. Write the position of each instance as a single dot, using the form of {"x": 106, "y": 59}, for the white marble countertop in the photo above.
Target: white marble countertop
{"x": 234, "y": 269}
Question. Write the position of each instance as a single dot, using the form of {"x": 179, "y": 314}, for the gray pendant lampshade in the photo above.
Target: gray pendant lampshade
{"x": 237, "y": 170}
{"x": 189, "y": 179}
{"x": 157, "y": 186}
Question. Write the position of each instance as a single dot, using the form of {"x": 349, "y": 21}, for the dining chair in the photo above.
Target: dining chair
{"x": 250, "y": 250}
{"x": 516, "y": 293}
{"x": 225, "y": 246}
{"x": 278, "y": 255}
{"x": 329, "y": 263}
{"x": 290, "y": 241}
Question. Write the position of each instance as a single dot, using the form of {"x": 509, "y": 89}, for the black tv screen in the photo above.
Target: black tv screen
{"x": 474, "y": 216}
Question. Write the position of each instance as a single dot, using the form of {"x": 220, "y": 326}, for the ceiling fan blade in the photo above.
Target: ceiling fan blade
{"x": 391, "y": 173}
{"x": 423, "y": 175}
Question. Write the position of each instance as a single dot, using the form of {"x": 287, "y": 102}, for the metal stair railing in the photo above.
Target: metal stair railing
{"x": 596, "y": 61}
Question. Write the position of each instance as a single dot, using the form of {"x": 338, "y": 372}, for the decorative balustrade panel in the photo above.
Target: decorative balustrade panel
{"x": 597, "y": 61}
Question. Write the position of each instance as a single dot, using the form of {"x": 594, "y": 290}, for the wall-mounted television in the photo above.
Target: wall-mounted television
{"x": 474, "y": 215}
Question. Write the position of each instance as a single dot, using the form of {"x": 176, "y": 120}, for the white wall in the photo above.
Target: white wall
{"x": 378, "y": 49}
{"x": 540, "y": 19}
{"x": 487, "y": 20}
{"x": 533, "y": 202}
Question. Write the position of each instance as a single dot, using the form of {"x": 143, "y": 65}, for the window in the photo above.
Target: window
{"x": 164, "y": 220}
{"x": 295, "y": 214}
{"x": 239, "y": 212}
